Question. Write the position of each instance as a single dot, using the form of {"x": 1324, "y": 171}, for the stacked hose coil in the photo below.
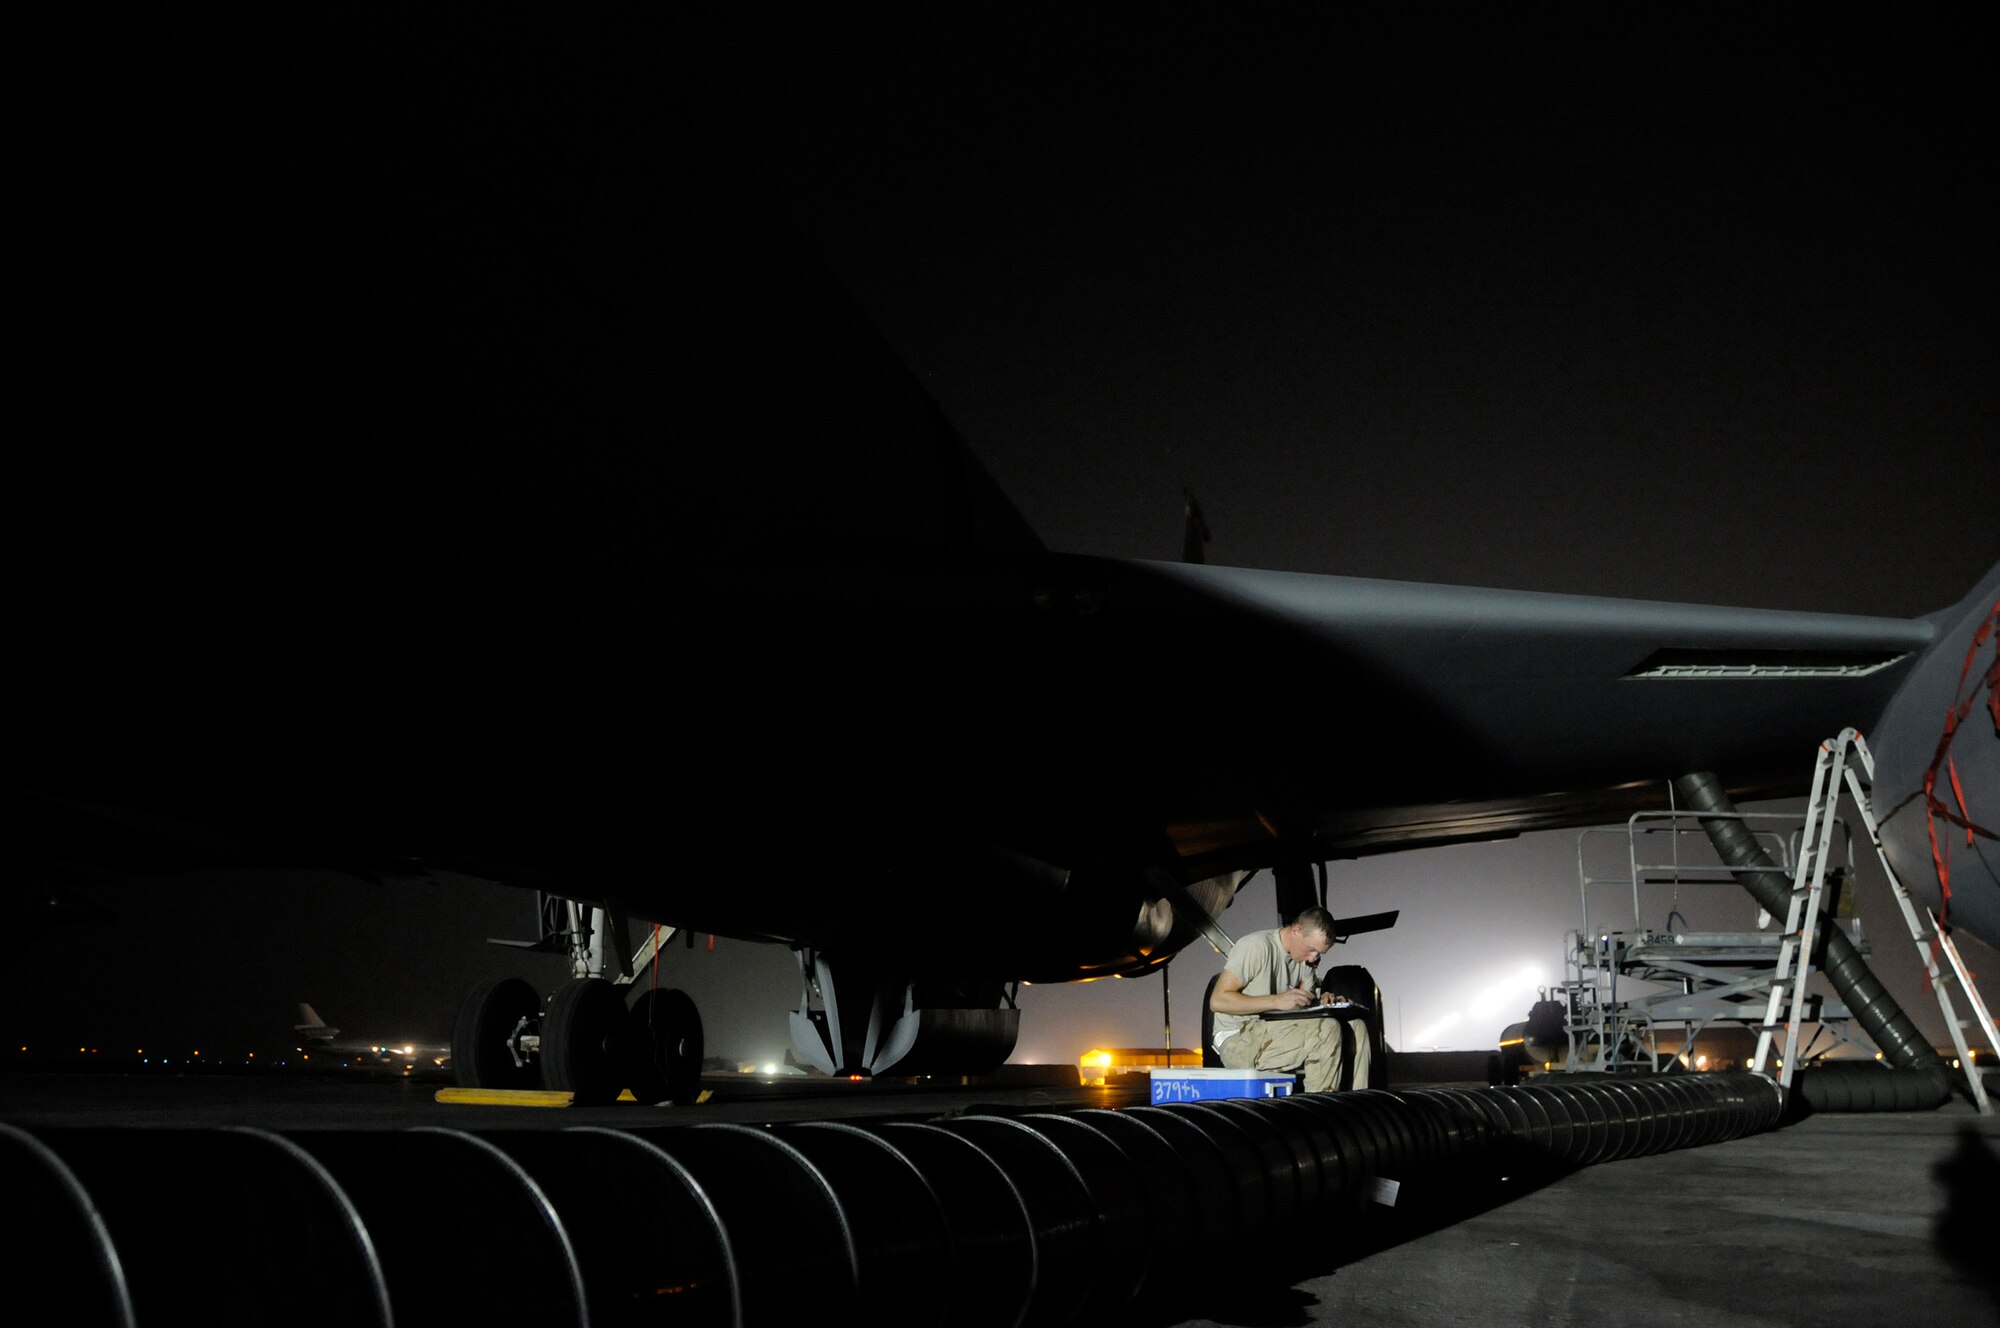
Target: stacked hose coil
{"x": 1039, "y": 1218}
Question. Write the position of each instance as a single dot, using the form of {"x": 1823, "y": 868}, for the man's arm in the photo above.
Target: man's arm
{"x": 1229, "y": 998}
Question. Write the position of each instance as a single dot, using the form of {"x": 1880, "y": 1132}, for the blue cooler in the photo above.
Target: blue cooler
{"x": 1203, "y": 1085}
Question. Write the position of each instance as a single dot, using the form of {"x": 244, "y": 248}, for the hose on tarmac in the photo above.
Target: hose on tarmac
{"x": 1002, "y": 1220}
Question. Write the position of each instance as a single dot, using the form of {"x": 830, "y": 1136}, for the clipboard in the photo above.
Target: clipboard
{"x": 1317, "y": 1011}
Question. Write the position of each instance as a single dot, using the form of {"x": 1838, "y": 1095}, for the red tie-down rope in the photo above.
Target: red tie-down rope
{"x": 1934, "y": 807}
{"x": 656, "y": 953}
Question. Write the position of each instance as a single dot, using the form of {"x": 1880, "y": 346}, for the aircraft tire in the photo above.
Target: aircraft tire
{"x": 584, "y": 1041}
{"x": 479, "y": 1055}
{"x": 666, "y": 1047}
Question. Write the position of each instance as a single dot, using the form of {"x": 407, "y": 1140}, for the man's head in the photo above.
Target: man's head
{"x": 1308, "y": 936}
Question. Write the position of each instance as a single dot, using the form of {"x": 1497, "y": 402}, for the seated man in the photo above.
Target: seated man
{"x": 1273, "y": 971}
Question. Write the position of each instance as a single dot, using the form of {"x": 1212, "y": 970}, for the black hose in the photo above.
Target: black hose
{"x": 1923, "y": 1079}
{"x": 1044, "y": 1219}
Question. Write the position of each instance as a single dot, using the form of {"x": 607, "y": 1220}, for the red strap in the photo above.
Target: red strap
{"x": 1951, "y": 766}
{"x": 1934, "y": 808}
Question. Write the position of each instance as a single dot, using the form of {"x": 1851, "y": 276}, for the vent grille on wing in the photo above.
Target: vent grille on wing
{"x": 1686, "y": 663}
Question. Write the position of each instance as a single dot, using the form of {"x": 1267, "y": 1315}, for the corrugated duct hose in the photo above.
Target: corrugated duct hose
{"x": 967, "y": 1221}
{"x": 1915, "y": 1077}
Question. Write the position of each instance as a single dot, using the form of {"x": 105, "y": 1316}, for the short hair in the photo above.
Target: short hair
{"x": 1314, "y": 918}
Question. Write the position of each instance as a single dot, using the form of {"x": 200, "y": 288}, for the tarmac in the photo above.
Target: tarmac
{"x": 1887, "y": 1218}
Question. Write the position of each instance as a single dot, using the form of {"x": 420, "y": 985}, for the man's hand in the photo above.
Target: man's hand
{"x": 1228, "y": 997}
{"x": 1298, "y": 998}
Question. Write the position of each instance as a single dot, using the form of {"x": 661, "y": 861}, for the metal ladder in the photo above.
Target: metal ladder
{"x": 1847, "y": 762}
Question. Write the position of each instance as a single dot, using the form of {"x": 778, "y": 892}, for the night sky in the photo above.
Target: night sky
{"x": 1686, "y": 315}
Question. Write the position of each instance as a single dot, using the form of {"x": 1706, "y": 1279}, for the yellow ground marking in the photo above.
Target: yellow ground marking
{"x": 505, "y": 1097}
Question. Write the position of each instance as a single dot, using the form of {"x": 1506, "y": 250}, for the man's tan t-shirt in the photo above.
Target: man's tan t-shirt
{"x": 1260, "y": 960}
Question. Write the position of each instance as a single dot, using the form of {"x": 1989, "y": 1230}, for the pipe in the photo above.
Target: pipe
{"x": 1924, "y": 1079}
{"x": 986, "y": 1219}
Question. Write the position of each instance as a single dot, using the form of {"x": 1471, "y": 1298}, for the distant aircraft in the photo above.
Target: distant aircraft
{"x": 593, "y": 543}
{"x": 316, "y": 1036}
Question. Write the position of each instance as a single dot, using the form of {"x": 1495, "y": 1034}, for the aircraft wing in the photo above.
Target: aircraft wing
{"x": 1376, "y": 714}
{"x": 1050, "y": 720}
{"x": 882, "y": 734}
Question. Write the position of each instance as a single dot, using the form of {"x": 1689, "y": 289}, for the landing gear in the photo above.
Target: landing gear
{"x": 665, "y": 1036}
{"x": 485, "y": 1049}
{"x": 584, "y": 1041}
